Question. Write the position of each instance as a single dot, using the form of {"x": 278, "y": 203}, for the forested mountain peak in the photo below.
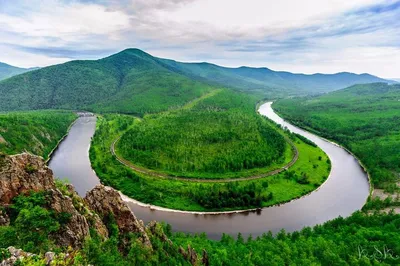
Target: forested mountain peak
{"x": 133, "y": 81}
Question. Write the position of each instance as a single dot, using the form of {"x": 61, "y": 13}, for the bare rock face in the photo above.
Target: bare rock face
{"x": 22, "y": 173}
{"x": 4, "y": 219}
{"x": 157, "y": 231}
{"x": 77, "y": 229}
{"x": 17, "y": 255}
{"x": 205, "y": 260}
{"x": 105, "y": 201}
{"x": 189, "y": 255}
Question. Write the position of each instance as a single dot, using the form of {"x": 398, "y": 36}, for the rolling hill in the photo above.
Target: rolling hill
{"x": 133, "y": 81}
{"x": 7, "y": 71}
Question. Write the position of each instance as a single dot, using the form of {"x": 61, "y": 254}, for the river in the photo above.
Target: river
{"x": 345, "y": 191}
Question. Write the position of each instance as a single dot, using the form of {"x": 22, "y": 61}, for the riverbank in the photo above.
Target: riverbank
{"x": 344, "y": 192}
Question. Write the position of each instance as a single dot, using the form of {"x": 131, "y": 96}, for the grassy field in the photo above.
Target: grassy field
{"x": 363, "y": 118}
{"x": 37, "y": 132}
{"x": 311, "y": 170}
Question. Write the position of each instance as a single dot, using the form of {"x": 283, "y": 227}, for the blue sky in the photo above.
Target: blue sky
{"x": 307, "y": 36}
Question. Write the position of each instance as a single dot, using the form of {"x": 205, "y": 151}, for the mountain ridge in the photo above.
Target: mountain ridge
{"x": 133, "y": 81}
{"x": 7, "y": 71}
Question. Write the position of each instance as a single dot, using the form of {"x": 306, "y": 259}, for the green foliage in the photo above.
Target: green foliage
{"x": 4, "y": 254}
{"x": 178, "y": 194}
{"x": 36, "y": 132}
{"x": 35, "y": 223}
{"x": 363, "y": 118}
{"x": 135, "y": 82}
{"x": 232, "y": 195}
{"x": 357, "y": 240}
{"x": 32, "y": 222}
{"x": 210, "y": 138}
{"x": 267, "y": 82}
{"x": 128, "y": 82}
{"x": 305, "y": 140}
{"x": 7, "y": 71}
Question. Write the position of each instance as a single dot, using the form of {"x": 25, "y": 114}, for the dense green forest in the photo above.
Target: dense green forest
{"x": 363, "y": 118}
{"x": 358, "y": 240}
{"x": 7, "y": 71}
{"x": 193, "y": 120}
{"x": 310, "y": 170}
{"x": 135, "y": 82}
{"x": 36, "y": 131}
{"x": 128, "y": 82}
{"x": 269, "y": 82}
{"x": 219, "y": 135}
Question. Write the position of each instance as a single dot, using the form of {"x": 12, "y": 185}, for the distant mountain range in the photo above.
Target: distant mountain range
{"x": 264, "y": 79}
{"x": 131, "y": 81}
{"x": 7, "y": 71}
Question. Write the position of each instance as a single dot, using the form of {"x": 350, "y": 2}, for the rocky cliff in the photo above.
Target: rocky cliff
{"x": 21, "y": 174}
{"x": 25, "y": 173}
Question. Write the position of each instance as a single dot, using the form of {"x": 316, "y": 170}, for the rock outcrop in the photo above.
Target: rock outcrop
{"x": 156, "y": 230}
{"x": 15, "y": 256}
{"x": 4, "y": 219}
{"x": 107, "y": 201}
{"x": 22, "y": 173}
{"x": 189, "y": 254}
{"x": 77, "y": 229}
{"x": 18, "y": 256}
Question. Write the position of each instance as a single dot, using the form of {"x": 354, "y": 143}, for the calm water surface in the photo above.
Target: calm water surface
{"x": 345, "y": 191}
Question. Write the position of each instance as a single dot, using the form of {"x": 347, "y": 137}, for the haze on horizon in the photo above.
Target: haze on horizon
{"x": 307, "y": 36}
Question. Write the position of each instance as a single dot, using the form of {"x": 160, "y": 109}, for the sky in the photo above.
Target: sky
{"x": 301, "y": 36}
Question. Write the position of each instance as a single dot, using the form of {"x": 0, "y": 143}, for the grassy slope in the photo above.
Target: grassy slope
{"x": 181, "y": 195}
{"x": 36, "y": 131}
{"x": 364, "y": 118}
{"x": 216, "y": 136}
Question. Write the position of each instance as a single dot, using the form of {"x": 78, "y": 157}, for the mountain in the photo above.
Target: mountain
{"x": 133, "y": 81}
{"x": 7, "y": 71}
{"x": 261, "y": 79}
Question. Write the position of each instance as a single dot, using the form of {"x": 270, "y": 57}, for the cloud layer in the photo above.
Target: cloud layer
{"x": 300, "y": 36}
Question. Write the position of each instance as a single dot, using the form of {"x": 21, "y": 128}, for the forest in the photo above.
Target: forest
{"x": 37, "y": 132}
{"x": 363, "y": 118}
{"x": 357, "y": 240}
{"x": 128, "y": 82}
{"x": 186, "y": 195}
{"x": 217, "y": 136}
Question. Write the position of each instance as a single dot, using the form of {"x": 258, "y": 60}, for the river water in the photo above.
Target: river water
{"x": 345, "y": 191}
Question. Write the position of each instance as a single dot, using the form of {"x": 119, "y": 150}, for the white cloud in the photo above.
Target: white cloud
{"x": 301, "y": 36}
{"x": 65, "y": 21}
{"x": 25, "y": 59}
